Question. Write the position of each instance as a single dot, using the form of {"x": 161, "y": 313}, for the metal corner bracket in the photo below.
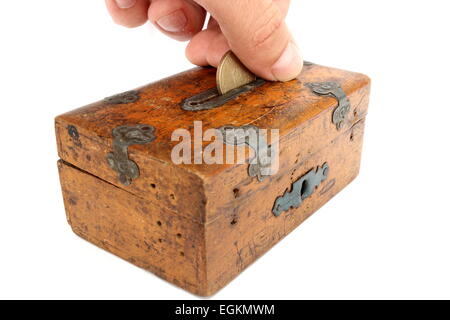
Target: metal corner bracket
{"x": 124, "y": 137}
{"x": 260, "y": 165}
{"x": 335, "y": 90}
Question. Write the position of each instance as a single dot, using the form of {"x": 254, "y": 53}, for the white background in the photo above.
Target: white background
{"x": 385, "y": 236}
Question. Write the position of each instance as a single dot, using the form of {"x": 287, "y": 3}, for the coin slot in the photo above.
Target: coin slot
{"x": 204, "y": 99}
{"x": 211, "y": 98}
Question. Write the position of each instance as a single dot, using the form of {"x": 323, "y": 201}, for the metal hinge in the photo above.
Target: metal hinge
{"x": 260, "y": 165}
{"x": 333, "y": 89}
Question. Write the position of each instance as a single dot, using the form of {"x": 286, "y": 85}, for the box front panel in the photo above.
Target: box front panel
{"x": 248, "y": 227}
{"x": 296, "y": 145}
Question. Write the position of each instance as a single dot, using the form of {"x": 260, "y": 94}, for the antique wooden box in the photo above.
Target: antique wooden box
{"x": 199, "y": 225}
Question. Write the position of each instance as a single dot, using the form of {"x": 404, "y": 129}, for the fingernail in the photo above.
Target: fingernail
{"x": 289, "y": 65}
{"x": 125, "y": 4}
{"x": 174, "y": 22}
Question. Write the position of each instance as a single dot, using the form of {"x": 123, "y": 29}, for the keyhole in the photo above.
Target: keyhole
{"x": 304, "y": 189}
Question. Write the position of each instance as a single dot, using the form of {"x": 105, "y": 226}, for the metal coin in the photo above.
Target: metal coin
{"x": 232, "y": 74}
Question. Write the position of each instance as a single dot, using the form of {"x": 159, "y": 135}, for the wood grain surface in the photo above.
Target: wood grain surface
{"x": 198, "y": 226}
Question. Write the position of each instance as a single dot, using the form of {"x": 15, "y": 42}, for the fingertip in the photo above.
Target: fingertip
{"x": 197, "y": 58}
{"x": 131, "y": 17}
{"x": 217, "y": 49}
{"x": 258, "y": 35}
{"x": 196, "y": 50}
{"x": 289, "y": 64}
{"x": 174, "y": 22}
{"x": 125, "y": 4}
{"x": 177, "y": 19}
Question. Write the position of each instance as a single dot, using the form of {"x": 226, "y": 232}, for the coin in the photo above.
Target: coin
{"x": 232, "y": 74}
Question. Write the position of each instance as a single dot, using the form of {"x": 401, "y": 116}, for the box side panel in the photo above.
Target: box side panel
{"x": 162, "y": 184}
{"x": 134, "y": 229}
{"x": 248, "y": 228}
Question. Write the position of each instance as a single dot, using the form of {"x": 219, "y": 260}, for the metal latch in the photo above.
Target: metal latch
{"x": 124, "y": 137}
{"x": 301, "y": 189}
{"x": 334, "y": 89}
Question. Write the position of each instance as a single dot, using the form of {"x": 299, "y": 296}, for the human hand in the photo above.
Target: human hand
{"x": 254, "y": 30}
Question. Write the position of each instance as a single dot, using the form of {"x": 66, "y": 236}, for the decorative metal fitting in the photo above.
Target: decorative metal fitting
{"x": 123, "y": 98}
{"x": 333, "y": 89}
{"x": 211, "y": 98}
{"x": 125, "y": 136}
{"x": 301, "y": 189}
{"x": 260, "y": 165}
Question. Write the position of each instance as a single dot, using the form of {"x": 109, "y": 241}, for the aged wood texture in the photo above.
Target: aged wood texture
{"x": 151, "y": 237}
{"x": 290, "y": 107}
{"x": 246, "y": 227}
{"x": 198, "y": 226}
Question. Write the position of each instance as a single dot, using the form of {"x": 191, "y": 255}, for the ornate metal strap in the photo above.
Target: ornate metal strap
{"x": 249, "y": 135}
{"x": 301, "y": 189}
{"x": 125, "y": 136}
{"x": 335, "y": 90}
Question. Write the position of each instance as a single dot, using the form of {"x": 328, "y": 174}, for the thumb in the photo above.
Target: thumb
{"x": 257, "y": 33}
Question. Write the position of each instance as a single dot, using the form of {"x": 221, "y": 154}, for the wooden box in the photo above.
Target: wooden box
{"x": 200, "y": 225}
